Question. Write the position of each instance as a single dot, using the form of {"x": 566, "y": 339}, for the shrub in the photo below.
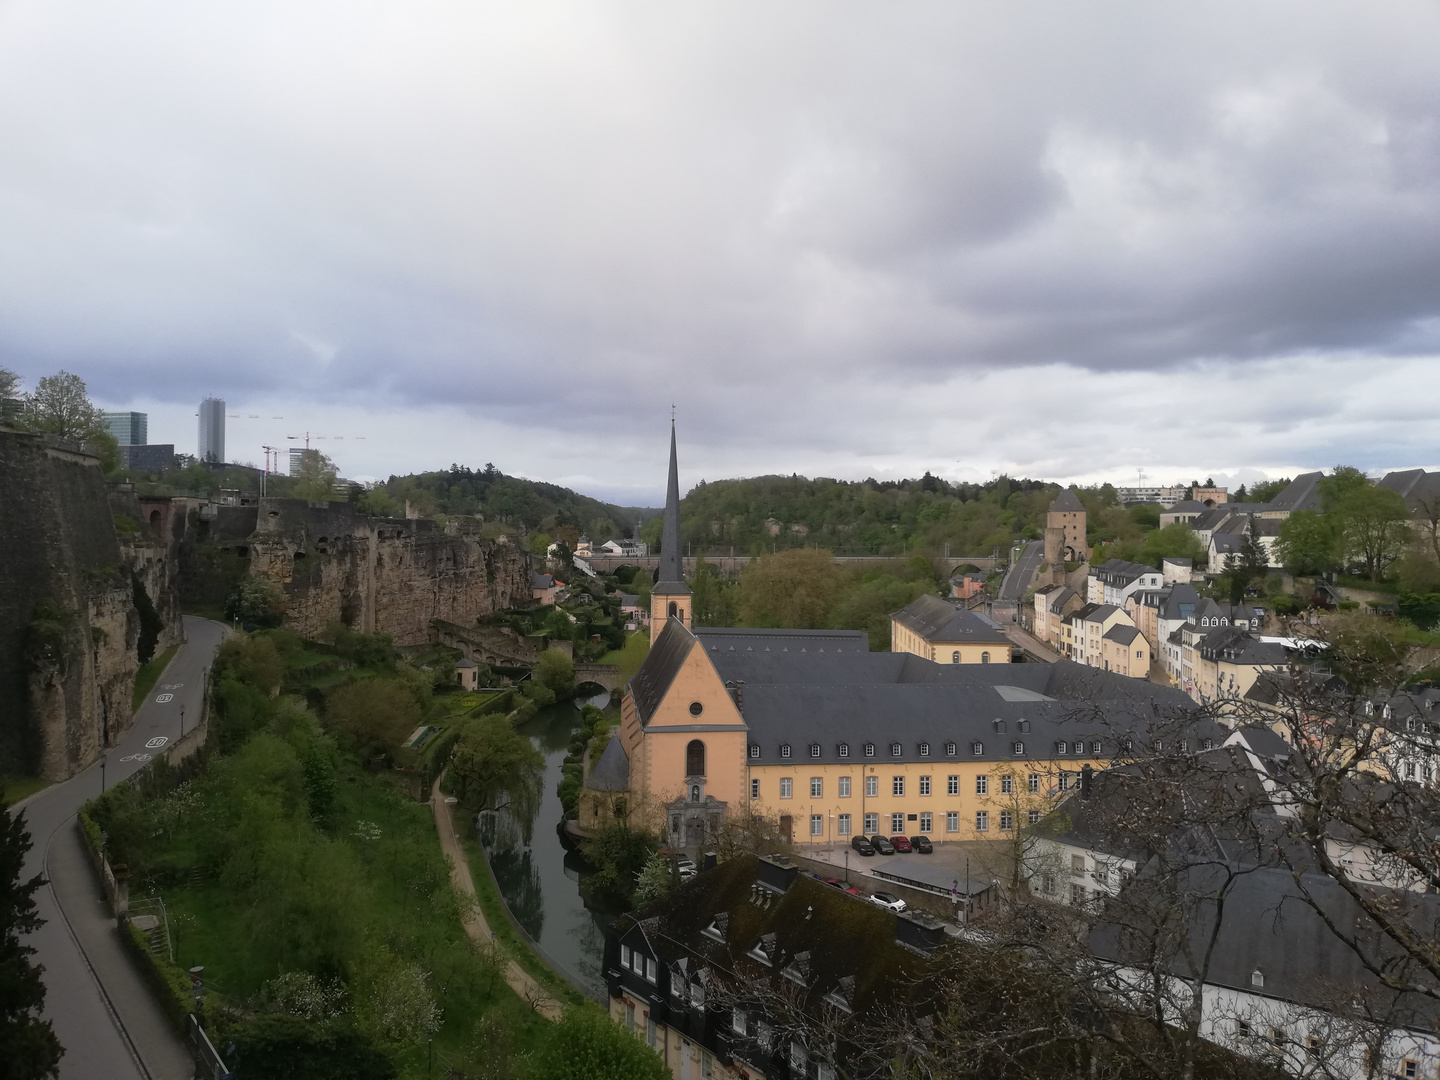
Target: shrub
{"x": 280, "y": 1047}
{"x": 587, "y": 1045}
{"x": 376, "y": 714}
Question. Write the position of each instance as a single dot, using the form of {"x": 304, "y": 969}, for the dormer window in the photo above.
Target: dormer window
{"x": 1019, "y": 748}
{"x": 895, "y": 749}
{"x": 814, "y": 749}
{"x": 869, "y": 749}
{"x": 977, "y": 748}
{"x": 754, "y": 750}
{"x": 1024, "y": 726}
{"x": 949, "y": 749}
{"x": 1061, "y": 748}
{"x": 924, "y": 749}
{"x": 1257, "y": 977}
{"x": 843, "y": 749}
{"x": 784, "y": 749}
{"x": 999, "y": 726}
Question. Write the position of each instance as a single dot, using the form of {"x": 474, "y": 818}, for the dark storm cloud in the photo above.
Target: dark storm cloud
{"x": 819, "y": 228}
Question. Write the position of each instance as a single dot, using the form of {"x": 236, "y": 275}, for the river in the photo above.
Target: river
{"x": 540, "y": 882}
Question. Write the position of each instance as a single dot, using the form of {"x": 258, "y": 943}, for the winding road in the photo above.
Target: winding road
{"x": 102, "y": 1011}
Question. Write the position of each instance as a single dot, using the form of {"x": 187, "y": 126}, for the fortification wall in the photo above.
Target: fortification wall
{"x": 68, "y": 623}
{"x": 377, "y": 574}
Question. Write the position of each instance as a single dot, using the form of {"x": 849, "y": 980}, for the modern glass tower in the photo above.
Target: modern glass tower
{"x": 212, "y": 430}
{"x": 129, "y": 428}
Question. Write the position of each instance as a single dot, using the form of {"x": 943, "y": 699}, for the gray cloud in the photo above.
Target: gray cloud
{"x": 519, "y": 234}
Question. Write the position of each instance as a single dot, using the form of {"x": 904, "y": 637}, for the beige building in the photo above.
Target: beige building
{"x": 939, "y": 631}
{"x": 1083, "y": 637}
{"x": 1052, "y": 604}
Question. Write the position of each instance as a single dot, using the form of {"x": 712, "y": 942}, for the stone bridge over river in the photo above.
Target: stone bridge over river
{"x": 605, "y": 675}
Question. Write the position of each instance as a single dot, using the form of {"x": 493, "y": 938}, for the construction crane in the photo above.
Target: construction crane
{"x": 272, "y": 455}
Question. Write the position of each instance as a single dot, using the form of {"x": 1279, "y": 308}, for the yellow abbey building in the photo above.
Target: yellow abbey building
{"x": 811, "y": 728}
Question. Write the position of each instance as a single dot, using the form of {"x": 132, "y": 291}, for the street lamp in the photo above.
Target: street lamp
{"x": 102, "y": 773}
{"x": 182, "y": 721}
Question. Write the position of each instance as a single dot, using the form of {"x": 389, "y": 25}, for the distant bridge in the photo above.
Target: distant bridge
{"x": 606, "y": 675}
{"x": 731, "y": 565}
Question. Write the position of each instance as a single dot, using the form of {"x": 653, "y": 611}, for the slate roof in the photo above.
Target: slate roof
{"x": 1181, "y": 603}
{"x": 661, "y": 665}
{"x": 1302, "y": 493}
{"x": 1236, "y": 646}
{"x": 1261, "y": 740}
{"x": 612, "y": 771}
{"x": 1061, "y": 598}
{"x": 1121, "y": 571}
{"x": 748, "y": 639}
{"x": 1122, "y": 635}
{"x": 1189, "y": 506}
{"x": 464, "y": 663}
{"x": 941, "y": 621}
{"x": 1413, "y": 485}
{"x": 1067, "y": 502}
{"x": 541, "y": 581}
{"x": 1268, "y": 925}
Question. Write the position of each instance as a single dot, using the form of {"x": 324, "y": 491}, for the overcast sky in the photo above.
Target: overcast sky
{"x": 1061, "y": 240}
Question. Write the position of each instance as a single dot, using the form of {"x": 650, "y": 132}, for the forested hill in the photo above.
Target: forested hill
{"x": 506, "y": 500}
{"x": 866, "y": 517}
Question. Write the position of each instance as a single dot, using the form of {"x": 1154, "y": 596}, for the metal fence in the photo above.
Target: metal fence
{"x": 206, "y": 1056}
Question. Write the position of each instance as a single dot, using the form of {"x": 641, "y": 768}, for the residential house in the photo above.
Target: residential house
{"x": 1182, "y": 513}
{"x": 1220, "y": 661}
{"x": 1302, "y": 493}
{"x": 938, "y": 630}
{"x": 1114, "y": 580}
{"x": 584, "y": 548}
{"x": 629, "y": 549}
{"x": 1084, "y": 639}
{"x": 967, "y": 586}
{"x": 635, "y": 613}
{"x": 1052, "y": 604}
{"x": 544, "y": 589}
{"x": 467, "y": 674}
{"x": 1124, "y": 650}
{"x": 697, "y": 974}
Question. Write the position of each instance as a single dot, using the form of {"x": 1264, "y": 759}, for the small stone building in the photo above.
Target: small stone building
{"x": 467, "y": 674}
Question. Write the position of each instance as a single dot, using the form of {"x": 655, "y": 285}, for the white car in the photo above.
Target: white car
{"x": 889, "y": 901}
{"x": 686, "y": 867}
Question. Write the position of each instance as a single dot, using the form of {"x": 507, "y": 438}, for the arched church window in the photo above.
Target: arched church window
{"x": 984, "y": 658}
{"x": 695, "y": 758}
{"x": 673, "y": 609}
{"x": 955, "y": 657}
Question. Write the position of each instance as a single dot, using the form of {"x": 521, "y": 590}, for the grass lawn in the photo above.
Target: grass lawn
{"x": 1423, "y": 637}
{"x": 394, "y": 838}
{"x": 629, "y": 659}
{"x": 21, "y": 787}
{"x": 146, "y": 677}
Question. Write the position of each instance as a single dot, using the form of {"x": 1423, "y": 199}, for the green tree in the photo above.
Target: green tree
{"x": 378, "y": 714}
{"x": 1266, "y": 490}
{"x": 587, "y": 1045}
{"x": 9, "y": 384}
{"x": 253, "y": 659}
{"x": 618, "y": 854}
{"x": 711, "y": 601}
{"x": 256, "y": 601}
{"x": 656, "y": 879}
{"x": 556, "y": 672}
{"x": 315, "y": 481}
{"x": 1175, "y": 541}
{"x": 30, "y": 1049}
{"x": 794, "y": 588}
{"x": 494, "y": 767}
{"x": 1307, "y": 542}
{"x": 61, "y": 407}
{"x": 1374, "y": 527}
{"x": 275, "y": 1046}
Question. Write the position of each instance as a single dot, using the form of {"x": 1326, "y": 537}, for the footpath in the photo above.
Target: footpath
{"x": 518, "y": 979}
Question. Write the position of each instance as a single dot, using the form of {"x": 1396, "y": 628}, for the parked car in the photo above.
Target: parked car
{"x": 900, "y": 843}
{"x": 881, "y": 845}
{"x": 686, "y": 867}
{"x": 889, "y": 901}
{"x": 922, "y": 844}
{"x": 843, "y": 886}
{"x": 861, "y": 845}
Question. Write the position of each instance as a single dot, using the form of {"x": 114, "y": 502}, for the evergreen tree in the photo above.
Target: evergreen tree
{"x": 28, "y": 1048}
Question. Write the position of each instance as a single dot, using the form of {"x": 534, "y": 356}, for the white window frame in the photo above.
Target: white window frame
{"x": 952, "y": 821}
{"x": 952, "y": 784}
{"x": 927, "y": 822}
{"x": 897, "y": 786}
{"x": 817, "y": 787}
{"x": 844, "y": 782}
{"x": 787, "y": 787}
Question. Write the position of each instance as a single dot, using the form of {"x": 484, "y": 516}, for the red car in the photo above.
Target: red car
{"x": 843, "y": 886}
{"x": 900, "y": 843}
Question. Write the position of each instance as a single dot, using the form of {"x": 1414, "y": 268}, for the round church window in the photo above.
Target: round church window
{"x": 696, "y": 708}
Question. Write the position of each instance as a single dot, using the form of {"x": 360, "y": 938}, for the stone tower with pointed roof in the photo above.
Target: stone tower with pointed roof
{"x": 671, "y": 596}
{"x": 1065, "y": 533}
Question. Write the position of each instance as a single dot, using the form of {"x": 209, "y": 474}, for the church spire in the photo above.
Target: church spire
{"x": 671, "y": 596}
{"x": 671, "y": 568}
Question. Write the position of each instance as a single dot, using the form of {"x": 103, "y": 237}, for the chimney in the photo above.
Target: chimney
{"x": 737, "y": 694}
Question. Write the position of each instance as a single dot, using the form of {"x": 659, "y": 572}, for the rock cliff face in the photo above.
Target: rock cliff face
{"x": 69, "y": 623}
{"x": 373, "y": 574}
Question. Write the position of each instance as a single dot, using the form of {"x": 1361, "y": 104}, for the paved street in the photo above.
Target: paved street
{"x": 1017, "y": 579}
{"x": 102, "y": 1011}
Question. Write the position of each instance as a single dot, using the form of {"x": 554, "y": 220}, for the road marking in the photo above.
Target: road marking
{"x": 136, "y": 757}
{"x": 171, "y": 685}
{"x": 162, "y": 698}
{"x": 159, "y": 741}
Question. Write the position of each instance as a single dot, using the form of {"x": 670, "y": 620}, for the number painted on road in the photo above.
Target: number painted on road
{"x": 157, "y": 742}
{"x": 161, "y": 699}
